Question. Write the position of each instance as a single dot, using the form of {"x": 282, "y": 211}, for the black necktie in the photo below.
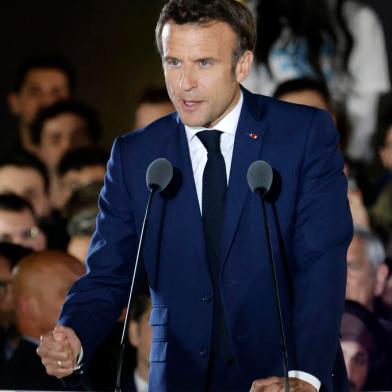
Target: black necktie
{"x": 213, "y": 207}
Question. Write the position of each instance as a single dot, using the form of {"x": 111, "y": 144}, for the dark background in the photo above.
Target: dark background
{"x": 110, "y": 43}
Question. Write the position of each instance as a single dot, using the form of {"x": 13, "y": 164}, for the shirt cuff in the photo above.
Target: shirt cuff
{"x": 306, "y": 377}
{"x": 79, "y": 359}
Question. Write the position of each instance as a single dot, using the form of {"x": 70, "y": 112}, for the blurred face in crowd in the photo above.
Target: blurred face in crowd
{"x": 20, "y": 227}
{"x": 42, "y": 87}
{"x": 201, "y": 78}
{"x": 140, "y": 335}
{"x": 356, "y": 359}
{"x": 386, "y": 151}
{"x": 27, "y": 183}
{"x": 148, "y": 112}
{"x": 306, "y": 97}
{"x": 363, "y": 282}
{"x": 75, "y": 179}
{"x": 60, "y": 134}
{"x": 5, "y": 292}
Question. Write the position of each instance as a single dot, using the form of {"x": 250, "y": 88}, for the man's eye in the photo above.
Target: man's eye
{"x": 205, "y": 62}
{"x": 173, "y": 62}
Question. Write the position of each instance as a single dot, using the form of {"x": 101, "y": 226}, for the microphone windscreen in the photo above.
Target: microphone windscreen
{"x": 260, "y": 176}
{"x": 159, "y": 174}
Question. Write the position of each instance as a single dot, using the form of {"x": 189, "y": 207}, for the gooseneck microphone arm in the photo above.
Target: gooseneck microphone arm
{"x": 260, "y": 178}
{"x": 276, "y": 292}
{"x": 125, "y": 327}
{"x": 158, "y": 177}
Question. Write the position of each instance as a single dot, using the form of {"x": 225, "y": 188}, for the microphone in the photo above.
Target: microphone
{"x": 260, "y": 177}
{"x": 158, "y": 176}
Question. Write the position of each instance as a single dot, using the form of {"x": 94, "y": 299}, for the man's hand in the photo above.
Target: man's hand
{"x": 59, "y": 350}
{"x": 276, "y": 384}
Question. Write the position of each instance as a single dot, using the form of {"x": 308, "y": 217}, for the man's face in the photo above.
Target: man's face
{"x": 356, "y": 359}
{"x": 20, "y": 227}
{"x": 361, "y": 278}
{"x": 198, "y": 69}
{"x": 60, "y": 134}
{"x": 42, "y": 87}
{"x": 75, "y": 179}
{"x": 28, "y": 183}
{"x": 148, "y": 112}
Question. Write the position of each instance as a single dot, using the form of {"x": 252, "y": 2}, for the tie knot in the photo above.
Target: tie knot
{"x": 210, "y": 140}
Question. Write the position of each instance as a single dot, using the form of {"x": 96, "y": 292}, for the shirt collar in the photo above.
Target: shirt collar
{"x": 228, "y": 124}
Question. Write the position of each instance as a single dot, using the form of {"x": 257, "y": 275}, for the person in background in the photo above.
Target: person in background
{"x": 340, "y": 41}
{"x": 366, "y": 350}
{"x": 25, "y": 175}
{"x": 315, "y": 92}
{"x": 59, "y": 128}
{"x": 366, "y": 268}
{"x": 78, "y": 168}
{"x": 42, "y": 80}
{"x": 140, "y": 335}
{"x": 81, "y": 213}
{"x": 18, "y": 223}
{"x": 40, "y": 283}
{"x": 153, "y": 104}
{"x": 305, "y": 91}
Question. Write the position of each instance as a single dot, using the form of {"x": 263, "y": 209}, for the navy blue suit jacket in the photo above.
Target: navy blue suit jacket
{"x": 301, "y": 144}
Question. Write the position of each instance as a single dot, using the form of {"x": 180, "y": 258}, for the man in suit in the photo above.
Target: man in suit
{"x": 213, "y": 314}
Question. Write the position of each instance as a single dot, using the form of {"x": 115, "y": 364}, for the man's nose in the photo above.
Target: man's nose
{"x": 188, "y": 80}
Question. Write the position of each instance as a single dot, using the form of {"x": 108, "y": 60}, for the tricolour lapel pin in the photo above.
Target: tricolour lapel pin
{"x": 252, "y": 135}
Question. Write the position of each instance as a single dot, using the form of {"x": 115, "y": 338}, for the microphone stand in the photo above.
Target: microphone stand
{"x": 261, "y": 192}
{"x": 153, "y": 189}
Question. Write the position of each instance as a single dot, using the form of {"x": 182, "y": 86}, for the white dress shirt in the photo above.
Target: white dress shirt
{"x": 228, "y": 126}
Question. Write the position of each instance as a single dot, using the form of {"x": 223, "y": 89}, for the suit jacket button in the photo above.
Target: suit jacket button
{"x": 204, "y": 352}
{"x": 206, "y": 298}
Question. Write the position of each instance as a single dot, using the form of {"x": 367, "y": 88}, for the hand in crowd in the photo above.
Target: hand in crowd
{"x": 276, "y": 384}
{"x": 59, "y": 350}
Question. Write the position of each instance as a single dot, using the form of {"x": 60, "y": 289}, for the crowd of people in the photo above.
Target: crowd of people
{"x": 308, "y": 52}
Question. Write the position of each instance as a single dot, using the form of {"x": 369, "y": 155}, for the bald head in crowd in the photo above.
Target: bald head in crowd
{"x": 39, "y": 285}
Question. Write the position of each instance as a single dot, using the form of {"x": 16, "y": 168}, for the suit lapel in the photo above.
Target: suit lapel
{"x": 247, "y": 146}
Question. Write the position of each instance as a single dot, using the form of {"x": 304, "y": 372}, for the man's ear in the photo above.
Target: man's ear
{"x": 381, "y": 278}
{"x": 133, "y": 333}
{"x": 13, "y": 103}
{"x": 243, "y": 66}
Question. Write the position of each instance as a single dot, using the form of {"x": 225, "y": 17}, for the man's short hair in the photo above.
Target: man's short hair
{"x": 373, "y": 246}
{"x": 202, "y": 12}
{"x": 93, "y": 125}
{"x": 24, "y": 159}
{"x": 303, "y": 84}
{"x": 82, "y": 208}
{"x": 45, "y": 61}
{"x": 13, "y": 203}
{"x": 82, "y": 157}
{"x": 154, "y": 95}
